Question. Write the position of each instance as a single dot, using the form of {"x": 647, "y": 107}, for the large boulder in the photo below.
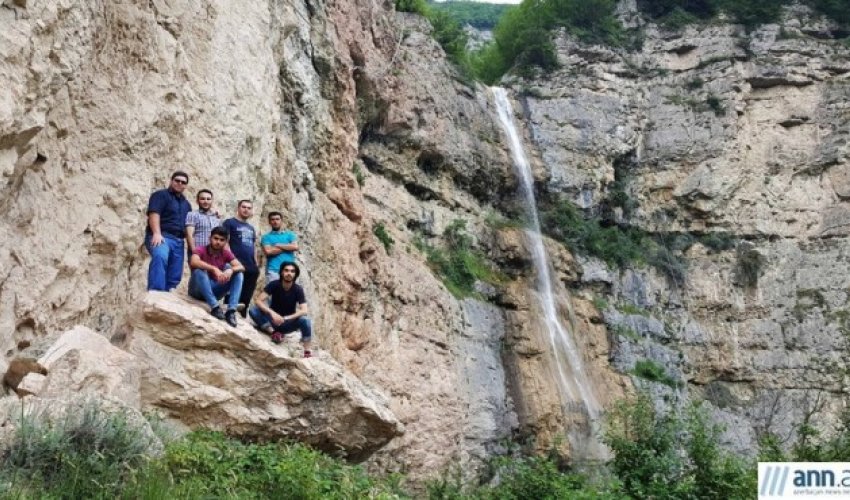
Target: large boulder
{"x": 207, "y": 374}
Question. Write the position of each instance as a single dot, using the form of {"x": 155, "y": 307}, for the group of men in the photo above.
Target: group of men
{"x": 223, "y": 258}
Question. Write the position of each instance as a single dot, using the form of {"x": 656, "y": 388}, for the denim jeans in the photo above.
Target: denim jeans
{"x": 301, "y": 323}
{"x": 202, "y": 287}
{"x": 166, "y": 267}
{"x": 248, "y": 287}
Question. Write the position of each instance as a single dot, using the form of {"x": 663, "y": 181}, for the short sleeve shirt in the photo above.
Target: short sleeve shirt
{"x": 284, "y": 302}
{"x": 217, "y": 259}
{"x": 243, "y": 238}
{"x": 203, "y": 222}
{"x": 274, "y": 238}
{"x": 172, "y": 209}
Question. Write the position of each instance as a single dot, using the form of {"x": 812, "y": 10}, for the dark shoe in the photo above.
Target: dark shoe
{"x": 307, "y": 353}
{"x": 277, "y": 337}
{"x": 217, "y": 312}
{"x": 230, "y": 317}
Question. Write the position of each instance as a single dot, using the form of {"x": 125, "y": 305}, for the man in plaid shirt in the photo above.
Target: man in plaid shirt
{"x": 200, "y": 222}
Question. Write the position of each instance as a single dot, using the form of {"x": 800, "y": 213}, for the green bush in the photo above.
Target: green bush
{"x": 85, "y": 453}
{"x": 415, "y": 6}
{"x": 670, "y": 456}
{"x": 480, "y": 15}
{"x": 650, "y": 370}
{"x": 383, "y": 236}
{"x": 617, "y": 246}
{"x": 457, "y": 263}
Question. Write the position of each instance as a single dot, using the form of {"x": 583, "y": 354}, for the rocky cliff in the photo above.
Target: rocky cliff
{"x": 732, "y": 146}
{"x": 346, "y": 116}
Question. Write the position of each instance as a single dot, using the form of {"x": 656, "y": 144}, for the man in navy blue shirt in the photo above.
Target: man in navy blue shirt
{"x": 167, "y": 209}
{"x": 243, "y": 244}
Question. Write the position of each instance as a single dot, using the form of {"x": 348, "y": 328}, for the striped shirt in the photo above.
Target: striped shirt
{"x": 203, "y": 222}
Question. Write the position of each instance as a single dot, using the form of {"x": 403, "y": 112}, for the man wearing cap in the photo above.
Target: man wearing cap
{"x": 167, "y": 209}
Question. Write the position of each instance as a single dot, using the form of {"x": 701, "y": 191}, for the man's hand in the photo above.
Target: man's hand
{"x": 156, "y": 239}
{"x": 218, "y": 275}
{"x": 277, "y": 319}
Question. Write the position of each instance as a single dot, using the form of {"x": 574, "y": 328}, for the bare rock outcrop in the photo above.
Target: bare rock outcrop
{"x": 205, "y": 373}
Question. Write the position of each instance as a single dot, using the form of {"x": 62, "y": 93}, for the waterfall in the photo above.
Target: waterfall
{"x": 572, "y": 379}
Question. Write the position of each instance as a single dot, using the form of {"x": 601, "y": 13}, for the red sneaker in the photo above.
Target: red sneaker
{"x": 308, "y": 354}
{"x": 277, "y": 338}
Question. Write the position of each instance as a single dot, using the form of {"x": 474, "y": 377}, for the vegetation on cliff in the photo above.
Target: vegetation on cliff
{"x": 480, "y": 15}
{"x": 523, "y": 34}
{"x": 656, "y": 454}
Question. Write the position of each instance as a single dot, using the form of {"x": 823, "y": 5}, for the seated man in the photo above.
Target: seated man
{"x": 287, "y": 310}
{"x": 215, "y": 272}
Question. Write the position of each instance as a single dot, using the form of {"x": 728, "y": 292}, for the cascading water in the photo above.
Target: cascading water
{"x": 572, "y": 379}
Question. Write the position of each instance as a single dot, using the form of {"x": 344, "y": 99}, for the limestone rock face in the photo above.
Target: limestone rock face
{"x": 715, "y": 132}
{"x": 205, "y": 373}
{"x": 279, "y": 102}
{"x": 83, "y": 363}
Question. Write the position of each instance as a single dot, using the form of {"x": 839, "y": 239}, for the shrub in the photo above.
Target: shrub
{"x": 415, "y": 6}
{"x": 749, "y": 265}
{"x": 84, "y": 453}
{"x": 617, "y": 246}
{"x": 479, "y": 15}
{"x": 383, "y": 236}
{"x": 458, "y": 264}
{"x": 358, "y": 174}
{"x": 671, "y": 456}
{"x": 650, "y": 370}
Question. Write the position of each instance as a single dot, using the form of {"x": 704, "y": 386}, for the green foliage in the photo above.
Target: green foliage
{"x": 617, "y": 246}
{"x": 650, "y": 370}
{"x": 838, "y": 10}
{"x": 748, "y": 266}
{"x": 695, "y": 84}
{"x": 523, "y": 38}
{"x": 625, "y": 332}
{"x": 415, "y": 6}
{"x": 713, "y": 103}
{"x": 458, "y": 264}
{"x": 86, "y": 453}
{"x": 98, "y": 454}
{"x": 717, "y": 242}
{"x": 212, "y": 466}
{"x": 669, "y": 456}
{"x": 481, "y": 15}
{"x": 358, "y": 174}
{"x": 383, "y": 236}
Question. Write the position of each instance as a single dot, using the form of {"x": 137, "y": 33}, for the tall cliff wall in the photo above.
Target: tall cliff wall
{"x": 100, "y": 101}
{"x": 345, "y": 116}
{"x": 715, "y": 135}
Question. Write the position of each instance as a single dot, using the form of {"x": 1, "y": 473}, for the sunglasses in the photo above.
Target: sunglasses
{"x": 180, "y": 181}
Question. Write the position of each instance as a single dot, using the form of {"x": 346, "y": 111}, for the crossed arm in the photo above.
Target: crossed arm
{"x": 278, "y": 248}
{"x": 220, "y": 276}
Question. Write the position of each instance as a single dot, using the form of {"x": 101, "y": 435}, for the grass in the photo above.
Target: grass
{"x": 625, "y": 332}
{"x": 101, "y": 454}
{"x": 380, "y": 232}
{"x": 648, "y": 369}
{"x": 457, "y": 263}
{"x": 358, "y": 174}
{"x": 617, "y": 246}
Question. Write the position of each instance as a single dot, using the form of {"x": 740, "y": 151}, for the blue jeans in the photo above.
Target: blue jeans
{"x": 301, "y": 323}
{"x": 203, "y": 288}
{"x": 166, "y": 267}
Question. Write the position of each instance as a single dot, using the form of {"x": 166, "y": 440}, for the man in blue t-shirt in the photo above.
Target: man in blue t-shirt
{"x": 167, "y": 209}
{"x": 281, "y": 308}
{"x": 243, "y": 244}
{"x": 279, "y": 246}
